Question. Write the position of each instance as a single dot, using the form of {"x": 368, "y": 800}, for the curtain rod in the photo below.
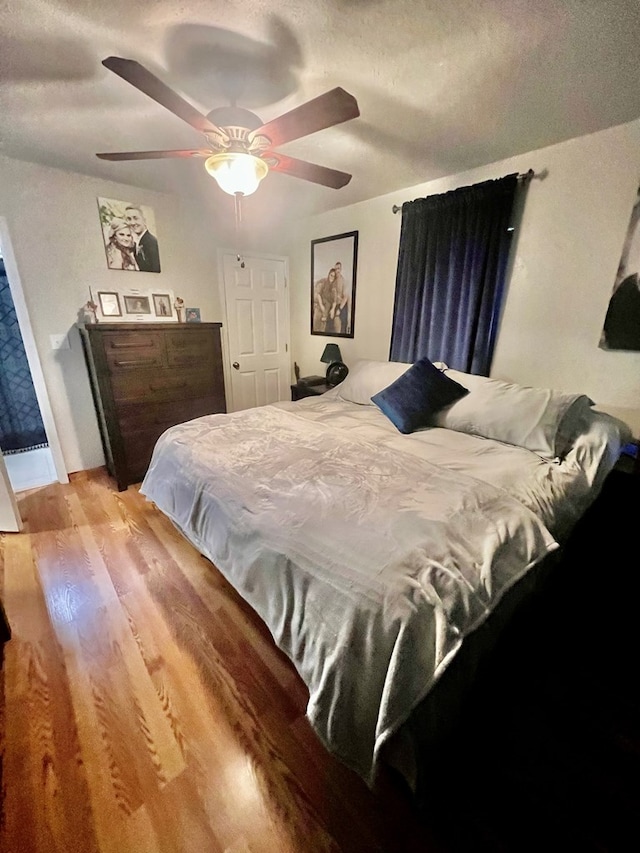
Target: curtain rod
{"x": 522, "y": 177}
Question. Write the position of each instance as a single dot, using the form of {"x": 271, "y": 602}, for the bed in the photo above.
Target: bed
{"x": 382, "y": 559}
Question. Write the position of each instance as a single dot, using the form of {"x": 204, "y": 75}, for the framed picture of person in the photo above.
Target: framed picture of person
{"x": 129, "y": 235}
{"x": 137, "y": 303}
{"x": 109, "y": 303}
{"x": 162, "y": 305}
{"x": 621, "y": 329}
{"x": 333, "y": 285}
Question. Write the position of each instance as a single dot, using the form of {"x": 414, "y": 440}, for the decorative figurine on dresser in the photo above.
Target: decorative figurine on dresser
{"x": 145, "y": 378}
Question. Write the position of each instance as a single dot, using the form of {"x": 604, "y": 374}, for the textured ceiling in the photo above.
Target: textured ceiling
{"x": 443, "y": 85}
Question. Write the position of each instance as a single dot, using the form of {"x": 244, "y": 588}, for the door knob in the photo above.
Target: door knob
{"x": 235, "y": 365}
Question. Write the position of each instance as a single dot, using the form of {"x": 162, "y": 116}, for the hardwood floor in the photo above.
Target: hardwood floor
{"x": 145, "y": 707}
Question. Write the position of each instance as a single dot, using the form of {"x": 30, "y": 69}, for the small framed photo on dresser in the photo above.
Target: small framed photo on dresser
{"x": 109, "y": 303}
{"x": 192, "y": 315}
{"x": 162, "y": 305}
{"x": 137, "y": 304}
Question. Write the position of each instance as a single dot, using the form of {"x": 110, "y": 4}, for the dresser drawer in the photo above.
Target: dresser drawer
{"x": 156, "y": 386}
{"x": 133, "y": 350}
{"x": 192, "y": 347}
{"x": 142, "y": 425}
{"x": 138, "y": 449}
{"x": 134, "y": 417}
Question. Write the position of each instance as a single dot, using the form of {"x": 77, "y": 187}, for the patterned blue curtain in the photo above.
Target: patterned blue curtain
{"x": 452, "y": 264}
{"x": 21, "y": 426}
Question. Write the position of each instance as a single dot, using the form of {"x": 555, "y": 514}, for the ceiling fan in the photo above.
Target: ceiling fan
{"x": 240, "y": 147}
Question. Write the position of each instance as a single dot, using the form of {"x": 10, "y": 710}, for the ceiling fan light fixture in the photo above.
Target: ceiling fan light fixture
{"x": 237, "y": 172}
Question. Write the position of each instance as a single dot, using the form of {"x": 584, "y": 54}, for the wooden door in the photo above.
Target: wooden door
{"x": 257, "y": 328}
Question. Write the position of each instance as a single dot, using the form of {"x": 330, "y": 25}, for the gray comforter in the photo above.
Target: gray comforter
{"x": 369, "y": 555}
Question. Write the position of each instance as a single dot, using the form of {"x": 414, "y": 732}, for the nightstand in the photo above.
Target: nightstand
{"x": 299, "y": 390}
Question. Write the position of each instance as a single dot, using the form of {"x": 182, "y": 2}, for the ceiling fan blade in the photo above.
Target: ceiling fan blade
{"x": 146, "y": 82}
{"x": 307, "y": 171}
{"x": 155, "y": 155}
{"x": 326, "y": 110}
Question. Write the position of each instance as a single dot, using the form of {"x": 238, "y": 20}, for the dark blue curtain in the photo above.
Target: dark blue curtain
{"x": 21, "y": 426}
{"x": 452, "y": 264}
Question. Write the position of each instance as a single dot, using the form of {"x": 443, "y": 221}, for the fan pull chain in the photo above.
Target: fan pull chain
{"x": 238, "y": 197}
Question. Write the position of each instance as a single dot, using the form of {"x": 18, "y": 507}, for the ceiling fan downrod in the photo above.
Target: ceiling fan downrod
{"x": 238, "y": 211}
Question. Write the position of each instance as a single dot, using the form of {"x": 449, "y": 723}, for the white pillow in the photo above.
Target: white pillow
{"x": 539, "y": 419}
{"x": 367, "y": 378}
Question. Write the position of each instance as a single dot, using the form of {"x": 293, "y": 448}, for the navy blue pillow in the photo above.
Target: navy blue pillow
{"x": 411, "y": 401}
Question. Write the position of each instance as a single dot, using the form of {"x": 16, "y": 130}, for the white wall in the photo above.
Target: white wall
{"x": 52, "y": 219}
{"x": 564, "y": 264}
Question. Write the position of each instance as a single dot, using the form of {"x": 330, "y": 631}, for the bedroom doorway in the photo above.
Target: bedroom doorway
{"x": 256, "y": 330}
{"x": 34, "y": 456}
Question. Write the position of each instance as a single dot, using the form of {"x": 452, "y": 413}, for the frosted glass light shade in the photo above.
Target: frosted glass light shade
{"x": 237, "y": 172}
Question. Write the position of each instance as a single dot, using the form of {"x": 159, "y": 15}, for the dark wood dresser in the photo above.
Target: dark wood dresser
{"x": 146, "y": 377}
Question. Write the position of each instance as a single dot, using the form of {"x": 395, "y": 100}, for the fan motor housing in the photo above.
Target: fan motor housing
{"x": 234, "y": 117}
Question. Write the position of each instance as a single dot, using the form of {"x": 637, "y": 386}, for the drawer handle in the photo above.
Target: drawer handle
{"x": 153, "y": 386}
{"x": 136, "y": 363}
{"x": 127, "y": 345}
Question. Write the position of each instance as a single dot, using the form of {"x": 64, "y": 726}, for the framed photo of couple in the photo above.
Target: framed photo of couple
{"x": 129, "y": 235}
{"x": 333, "y": 285}
{"x": 621, "y": 329}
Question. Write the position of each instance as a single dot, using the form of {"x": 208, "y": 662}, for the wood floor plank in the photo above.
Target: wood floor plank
{"x": 115, "y": 825}
{"x": 42, "y": 746}
{"x": 163, "y": 749}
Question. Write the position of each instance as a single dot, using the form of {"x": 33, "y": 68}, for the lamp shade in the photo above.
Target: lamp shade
{"x": 237, "y": 172}
{"x": 331, "y": 354}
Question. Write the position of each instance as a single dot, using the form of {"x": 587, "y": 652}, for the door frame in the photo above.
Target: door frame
{"x": 226, "y": 349}
{"x": 8, "y": 503}
{"x": 28, "y": 338}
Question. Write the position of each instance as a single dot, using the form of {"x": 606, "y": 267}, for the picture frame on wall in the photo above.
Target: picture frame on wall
{"x": 129, "y": 235}
{"x": 333, "y": 285}
{"x": 621, "y": 328}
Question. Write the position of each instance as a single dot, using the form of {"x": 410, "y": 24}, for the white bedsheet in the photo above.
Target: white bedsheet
{"x": 369, "y": 554}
